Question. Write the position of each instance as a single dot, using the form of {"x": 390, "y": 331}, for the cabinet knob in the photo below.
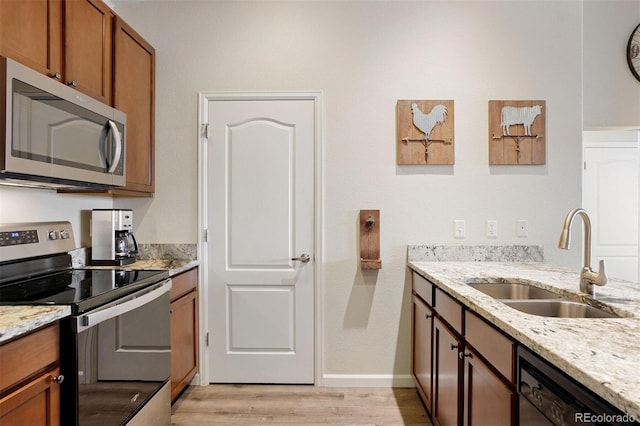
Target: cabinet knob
{"x": 454, "y": 346}
{"x": 427, "y": 316}
{"x": 463, "y": 355}
{"x": 56, "y": 76}
{"x": 72, "y": 83}
{"x": 58, "y": 379}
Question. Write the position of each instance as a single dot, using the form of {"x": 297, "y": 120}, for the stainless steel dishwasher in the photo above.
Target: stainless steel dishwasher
{"x": 548, "y": 396}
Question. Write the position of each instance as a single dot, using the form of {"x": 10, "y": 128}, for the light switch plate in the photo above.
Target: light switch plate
{"x": 459, "y": 229}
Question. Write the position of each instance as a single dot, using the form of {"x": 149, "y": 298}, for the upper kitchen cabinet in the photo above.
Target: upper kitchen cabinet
{"x": 88, "y": 36}
{"x": 134, "y": 94}
{"x": 67, "y": 40}
{"x": 31, "y": 32}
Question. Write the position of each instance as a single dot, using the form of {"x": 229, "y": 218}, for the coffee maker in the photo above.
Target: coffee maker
{"x": 112, "y": 242}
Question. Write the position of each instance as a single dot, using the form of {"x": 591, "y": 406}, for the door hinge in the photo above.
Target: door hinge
{"x": 206, "y": 235}
{"x": 206, "y": 130}
{"x": 206, "y": 339}
{"x": 584, "y": 165}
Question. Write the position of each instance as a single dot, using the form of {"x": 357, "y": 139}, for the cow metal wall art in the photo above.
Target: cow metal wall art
{"x": 424, "y": 132}
{"x": 517, "y": 132}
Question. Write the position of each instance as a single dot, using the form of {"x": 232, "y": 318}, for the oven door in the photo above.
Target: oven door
{"x": 117, "y": 361}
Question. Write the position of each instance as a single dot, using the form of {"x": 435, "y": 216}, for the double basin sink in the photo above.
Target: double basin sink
{"x": 534, "y": 300}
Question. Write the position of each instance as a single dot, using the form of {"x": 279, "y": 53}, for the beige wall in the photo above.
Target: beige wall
{"x": 611, "y": 93}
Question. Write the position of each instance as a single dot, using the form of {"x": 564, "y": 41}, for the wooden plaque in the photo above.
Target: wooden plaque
{"x": 524, "y": 121}
{"x": 370, "y": 239}
{"x": 436, "y": 118}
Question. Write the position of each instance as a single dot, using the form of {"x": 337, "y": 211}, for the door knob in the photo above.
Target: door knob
{"x": 304, "y": 258}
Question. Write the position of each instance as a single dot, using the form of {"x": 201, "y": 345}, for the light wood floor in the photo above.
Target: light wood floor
{"x": 297, "y": 405}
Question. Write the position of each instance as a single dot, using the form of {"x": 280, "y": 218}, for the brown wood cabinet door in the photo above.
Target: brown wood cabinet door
{"x": 134, "y": 94}
{"x": 422, "y": 349}
{"x": 446, "y": 376}
{"x": 31, "y": 33}
{"x": 36, "y": 403}
{"x": 88, "y": 48}
{"x": 487, "y": 400}
{"x": 184, "y": 341}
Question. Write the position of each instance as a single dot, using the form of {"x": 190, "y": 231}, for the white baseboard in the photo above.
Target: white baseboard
{"x": 367, "y": 380}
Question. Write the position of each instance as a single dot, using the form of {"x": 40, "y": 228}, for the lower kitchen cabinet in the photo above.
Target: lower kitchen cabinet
{"x": 184, "y": 330}
{"x": 487, "y": 399}
{"x": 29, "y": 379}
{"x": 470, "y": 378}
{"x": 422, "y": 348}
{"x": 446, "y": 376}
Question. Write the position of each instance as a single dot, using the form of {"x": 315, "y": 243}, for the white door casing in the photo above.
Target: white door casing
{"x": 260, "y": 213}
{"x": 610, "y": 196}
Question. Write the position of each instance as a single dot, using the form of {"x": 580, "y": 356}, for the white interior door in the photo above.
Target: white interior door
{"x": 260, "y": 216}
{"x": 610, "y": 196}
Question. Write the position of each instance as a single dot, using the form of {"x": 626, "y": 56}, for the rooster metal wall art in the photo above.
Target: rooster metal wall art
{"x": 432, "y": 129}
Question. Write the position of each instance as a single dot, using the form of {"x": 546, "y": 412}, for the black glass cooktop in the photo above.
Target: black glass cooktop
{"x": 82, "y": 289}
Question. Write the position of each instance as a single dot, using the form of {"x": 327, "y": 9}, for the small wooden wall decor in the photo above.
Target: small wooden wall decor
{"x": 516, "y": 132}
{"x": 370, "y": 239}
{"x": 424, "y": 132}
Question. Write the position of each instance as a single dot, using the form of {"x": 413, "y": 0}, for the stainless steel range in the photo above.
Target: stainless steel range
{"x": 115, "y": 347}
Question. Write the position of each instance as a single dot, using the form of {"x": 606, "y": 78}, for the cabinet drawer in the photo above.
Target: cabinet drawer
{"x": 22, "y": 358}
{"x": 491, "y": 344}
{"x": 183, "y": 283}
{"x": 423, "y": 288}
{"x": 449, "y": 310}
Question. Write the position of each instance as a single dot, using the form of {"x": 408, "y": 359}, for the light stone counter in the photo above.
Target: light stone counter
{"x": 175, "y": 267}
{"x": 175, "y": 258}
{"x": 17, "y": 320}
{"x": 602, "y": 354}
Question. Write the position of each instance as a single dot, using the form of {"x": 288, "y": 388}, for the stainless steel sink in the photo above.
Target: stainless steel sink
{"x": 530, "y": 299}
{"x": 513, "y": 290}
{"x": 559, "y": 308}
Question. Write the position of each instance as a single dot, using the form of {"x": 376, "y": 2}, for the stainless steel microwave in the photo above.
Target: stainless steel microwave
{"x": 54, "y": 136}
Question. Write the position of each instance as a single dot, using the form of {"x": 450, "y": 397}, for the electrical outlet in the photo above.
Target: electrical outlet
{"x": 522, "y": 228}
{"x": 492, "y": 228}
{"x": 459, "y": 230}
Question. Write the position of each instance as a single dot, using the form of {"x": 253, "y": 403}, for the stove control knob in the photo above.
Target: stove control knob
{"x": 64, "y": 234}
{"x": 53, "y": 235}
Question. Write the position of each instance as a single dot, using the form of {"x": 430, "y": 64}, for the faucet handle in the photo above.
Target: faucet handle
{"x": 601, "y": 278}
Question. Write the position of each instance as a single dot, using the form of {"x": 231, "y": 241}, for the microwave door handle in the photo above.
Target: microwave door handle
{"x": 116, "y": 157}
{"x": 91, "y": 320}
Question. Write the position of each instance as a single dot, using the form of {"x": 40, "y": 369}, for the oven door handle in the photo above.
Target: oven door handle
{"x": 130, "y": 303}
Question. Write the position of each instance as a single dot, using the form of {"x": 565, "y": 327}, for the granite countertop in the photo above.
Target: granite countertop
{"x": 18, "y": 320}
{"x": 601, "y": 353}
{"x": 175, "y": 267}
